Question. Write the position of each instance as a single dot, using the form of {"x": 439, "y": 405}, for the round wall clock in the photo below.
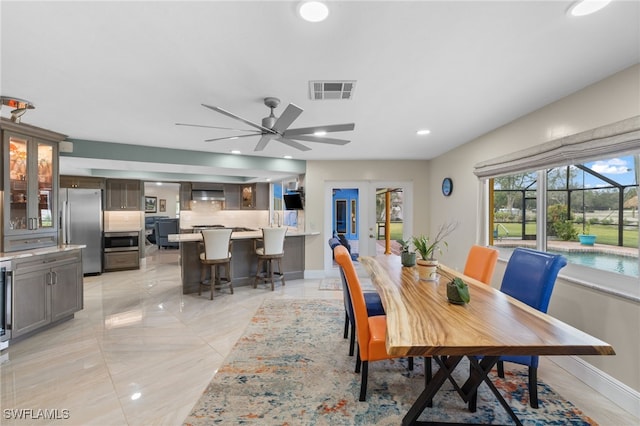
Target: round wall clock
{"x": 447, "y": 186}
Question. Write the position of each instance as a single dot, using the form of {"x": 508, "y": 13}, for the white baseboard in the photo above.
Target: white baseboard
{"x": 610, "y": 388}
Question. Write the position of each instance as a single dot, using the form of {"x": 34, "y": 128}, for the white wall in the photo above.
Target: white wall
{"x": 166, "y": 191}
{"x": 319, "y": 172}
{"x": 607, "y": 317}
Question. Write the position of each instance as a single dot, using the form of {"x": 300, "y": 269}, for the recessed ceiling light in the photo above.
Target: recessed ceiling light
{"x": 587, "y": 7}
{"x": 320, "y": 133}
{"x": 288, "y": 157}
{"x": 423, "y": 132}
{"x": 235, "y": 151}
{"x": 313, "y": 11}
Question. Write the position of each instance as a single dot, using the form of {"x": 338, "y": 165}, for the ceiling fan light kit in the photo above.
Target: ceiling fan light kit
{"x": 277, "y": 128}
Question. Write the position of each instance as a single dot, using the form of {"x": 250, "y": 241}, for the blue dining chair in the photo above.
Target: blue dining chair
{"x": 530, "y": 277}
{"x": 371, "y": 299}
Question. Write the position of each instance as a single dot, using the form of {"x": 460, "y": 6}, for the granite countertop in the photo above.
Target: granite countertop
{"x": 235, "y": 235}
{"x": 40, "y": 251}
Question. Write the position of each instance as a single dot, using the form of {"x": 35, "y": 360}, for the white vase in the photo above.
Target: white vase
{"x": 427, "y": 269}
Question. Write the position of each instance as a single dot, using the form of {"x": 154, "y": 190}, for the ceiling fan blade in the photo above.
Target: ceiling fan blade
{"x": 330, "y": 128}
{"x": 288, "y": 116}
{"x": 293, "y": 144}
{"x": 215, "y": 127}
{"x": 264, "y": 140}
{"x": 310, "y": 138}
{"x": 228, "y": 114}
{"x": 231, "y": 137}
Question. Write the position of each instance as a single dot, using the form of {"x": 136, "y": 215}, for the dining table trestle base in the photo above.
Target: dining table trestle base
{"x": 479, "y": 372}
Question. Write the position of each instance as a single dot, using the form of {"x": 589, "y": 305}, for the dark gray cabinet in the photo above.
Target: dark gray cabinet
{"x": 30, "y": 177}
{"x": 87, "y": 182}
{"x": 46, "y": 289}
{"x": 123, "y": 194}
{"x": 254, "y": 196}
{"x": 185, "y": 195}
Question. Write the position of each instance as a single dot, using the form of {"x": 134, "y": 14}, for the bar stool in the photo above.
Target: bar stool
{"x": 272, "y": 249}
{"x": 217, "y": 253}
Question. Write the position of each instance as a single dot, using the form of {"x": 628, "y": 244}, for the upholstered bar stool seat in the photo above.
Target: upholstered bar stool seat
{"x": 272, "y": 250}
{"x": 217, "y": 253}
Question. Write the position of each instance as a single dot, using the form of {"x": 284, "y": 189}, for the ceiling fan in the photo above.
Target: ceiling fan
{"x": 277, "y": 128}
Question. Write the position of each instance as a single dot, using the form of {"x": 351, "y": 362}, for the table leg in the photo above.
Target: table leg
{"x": 478, "y": 373}
{"x": 430, "y": 390}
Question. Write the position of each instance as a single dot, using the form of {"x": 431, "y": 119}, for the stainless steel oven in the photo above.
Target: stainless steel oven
{"x": 6, "y": 282}
{"x": 121, "y": 251}
{"x": 121, "y": 241}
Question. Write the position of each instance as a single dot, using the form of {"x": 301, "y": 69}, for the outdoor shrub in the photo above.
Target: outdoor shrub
{"x": 556, "y": 214}
{"x": 565, "y": 230}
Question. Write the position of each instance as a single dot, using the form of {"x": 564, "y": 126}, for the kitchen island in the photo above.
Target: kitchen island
{"x": 243, "y": 258}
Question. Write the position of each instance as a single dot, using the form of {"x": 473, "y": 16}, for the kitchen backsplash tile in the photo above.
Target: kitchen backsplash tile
{"x": 230, "y": 218}
{"x": 122, "y": 221}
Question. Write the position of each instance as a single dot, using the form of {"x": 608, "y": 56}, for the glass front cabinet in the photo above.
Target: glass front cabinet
{"x": 30, "y": 166}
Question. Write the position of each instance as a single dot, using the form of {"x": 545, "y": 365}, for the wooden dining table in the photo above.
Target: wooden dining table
{"x": 421, "y": 322}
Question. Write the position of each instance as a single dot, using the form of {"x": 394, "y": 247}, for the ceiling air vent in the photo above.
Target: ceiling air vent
{"x": 320, "y": 90}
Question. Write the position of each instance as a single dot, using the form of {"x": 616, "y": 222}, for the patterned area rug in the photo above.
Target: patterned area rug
{"x": 291, "y": 368}
{"x": 335, "y": 284}
{"x": 330, "y": 284}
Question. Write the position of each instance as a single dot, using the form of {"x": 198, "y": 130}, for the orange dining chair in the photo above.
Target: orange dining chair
{"x": 371, "y": 331}
{"x": 371, "y": 299}
{"x": 481, "y": 262}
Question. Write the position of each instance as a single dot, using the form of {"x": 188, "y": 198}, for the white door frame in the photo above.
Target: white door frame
{"x": 367, "y": 230}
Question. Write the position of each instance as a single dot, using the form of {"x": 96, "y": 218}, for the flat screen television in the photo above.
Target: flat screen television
{"x": 293, "y": 201}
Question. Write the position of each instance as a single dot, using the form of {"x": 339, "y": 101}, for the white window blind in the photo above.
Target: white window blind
{"x": 620, "y": 138}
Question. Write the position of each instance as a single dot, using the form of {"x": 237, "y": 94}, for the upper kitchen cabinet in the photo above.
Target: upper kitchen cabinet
{"x": 86, "y": 182}
{"x": 123, "y": 194}
{"x": 185, "y": 195}
{"x": 30, "y": 182}
{"x": 254, "y": 196}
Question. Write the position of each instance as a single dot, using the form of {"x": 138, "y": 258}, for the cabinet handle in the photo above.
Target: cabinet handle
{"x": 54, "y": 276}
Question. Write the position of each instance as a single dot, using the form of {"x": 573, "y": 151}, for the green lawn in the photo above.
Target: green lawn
{"x": 606, "y": 234}
{"x": 396, "y": 231}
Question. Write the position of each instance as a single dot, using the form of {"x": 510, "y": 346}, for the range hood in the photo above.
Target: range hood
{"x": 204, "y": 192}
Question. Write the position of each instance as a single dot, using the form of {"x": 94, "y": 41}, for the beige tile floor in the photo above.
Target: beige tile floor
{"x": 141, "y": 352}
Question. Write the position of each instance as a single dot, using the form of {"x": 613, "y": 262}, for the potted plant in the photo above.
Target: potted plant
{"x": 586, "y": 238}
{"x": 408, "y": 258}
{"x": 458, "y": 291}
{"x": 427, "y": 248}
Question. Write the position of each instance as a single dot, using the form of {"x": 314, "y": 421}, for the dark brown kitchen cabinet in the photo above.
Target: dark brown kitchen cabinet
{"x": 123, "y": 194}
{"x": 46, "y": 289}
{"x": 253, "y": 196}
{"x": 30, "y": 176}
{"x": 185, "y": 195}
{"x": 86, "y": 182}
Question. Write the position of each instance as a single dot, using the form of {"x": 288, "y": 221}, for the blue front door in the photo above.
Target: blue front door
{"x": 345, "y": 212}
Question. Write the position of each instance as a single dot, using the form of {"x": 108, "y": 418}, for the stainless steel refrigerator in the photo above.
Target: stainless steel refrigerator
{"x": 81, "y": 223}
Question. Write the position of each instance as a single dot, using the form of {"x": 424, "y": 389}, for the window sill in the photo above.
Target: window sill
{"x": 610, "y": 283}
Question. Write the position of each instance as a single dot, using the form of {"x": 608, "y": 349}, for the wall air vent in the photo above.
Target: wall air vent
{"x": 334, "y": 89}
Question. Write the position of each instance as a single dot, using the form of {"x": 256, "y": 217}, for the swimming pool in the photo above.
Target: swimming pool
{"x": 625, "y": 265}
